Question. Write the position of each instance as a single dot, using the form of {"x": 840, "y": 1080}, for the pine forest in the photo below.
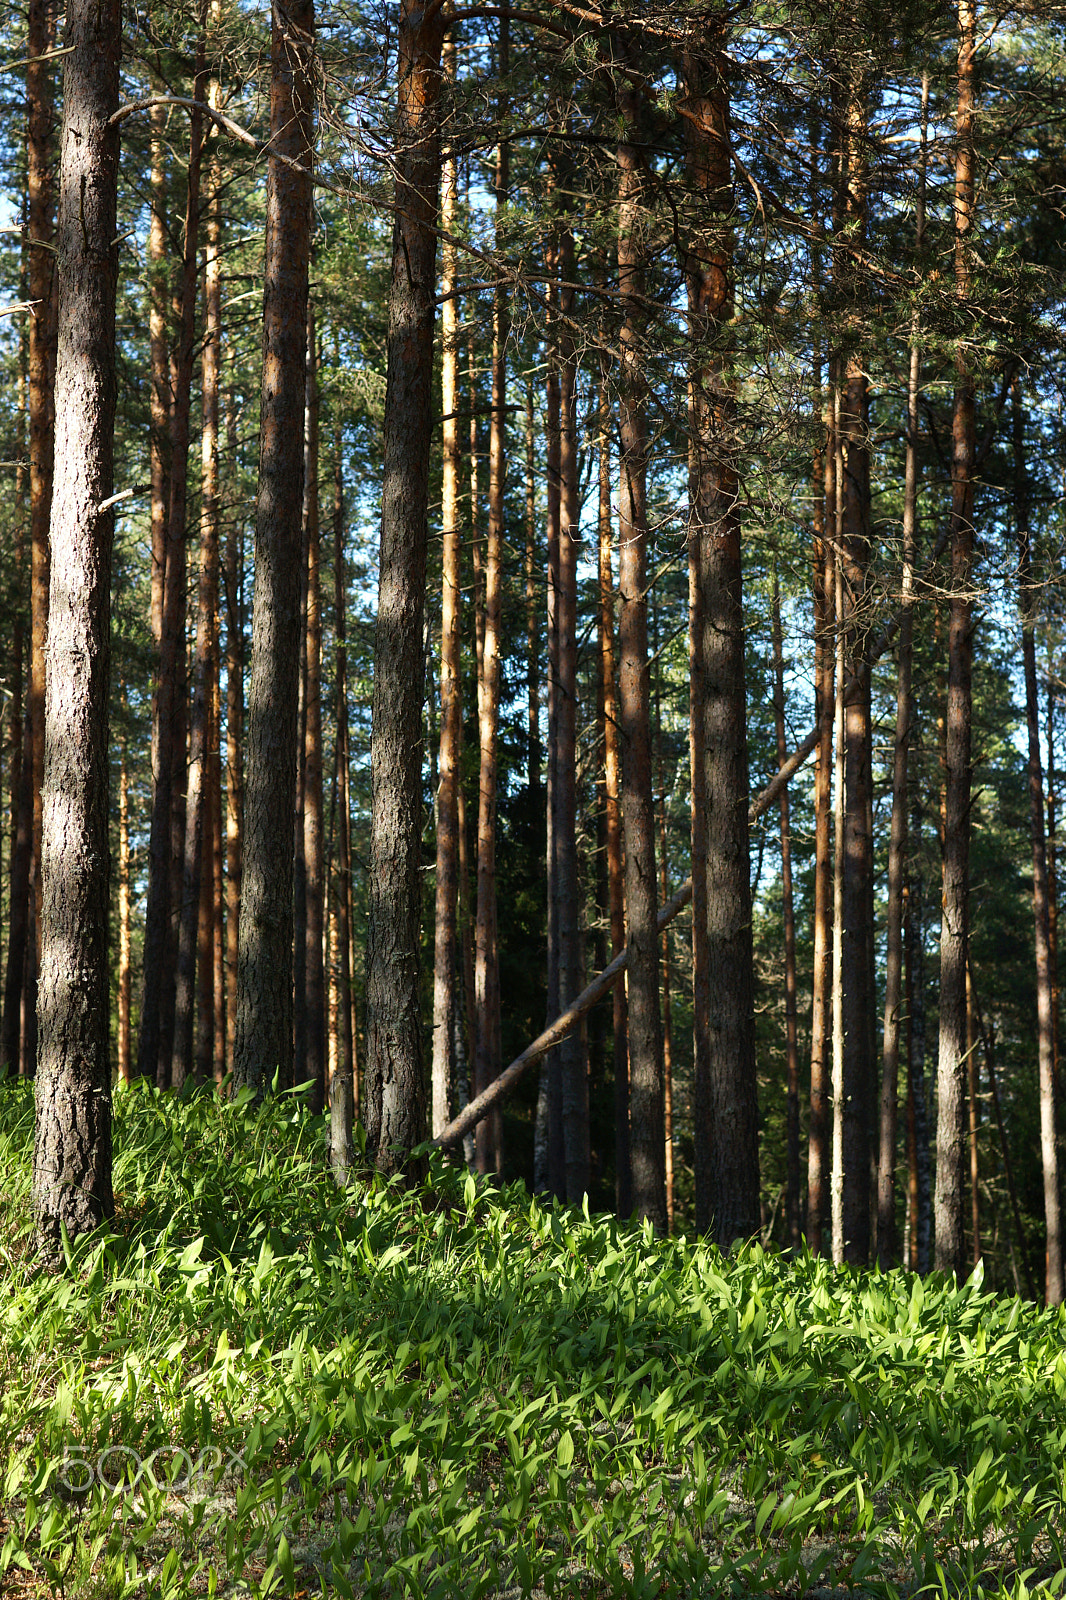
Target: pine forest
{"x": 585, "y": 492}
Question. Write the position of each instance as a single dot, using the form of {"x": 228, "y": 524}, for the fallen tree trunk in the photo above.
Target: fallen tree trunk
{"x": 472, "y": 1114}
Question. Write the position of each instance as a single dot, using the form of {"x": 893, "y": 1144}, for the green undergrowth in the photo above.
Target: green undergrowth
{"x": 252, "y": 1383}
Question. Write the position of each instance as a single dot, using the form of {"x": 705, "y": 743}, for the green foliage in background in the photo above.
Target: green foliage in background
{"x": 453, "y": 1393}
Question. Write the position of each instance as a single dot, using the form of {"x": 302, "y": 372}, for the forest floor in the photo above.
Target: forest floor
{"x": 251, "y": 1383}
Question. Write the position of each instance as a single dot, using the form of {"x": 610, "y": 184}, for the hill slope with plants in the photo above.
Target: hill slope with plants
{"x": 256, "y": 1384}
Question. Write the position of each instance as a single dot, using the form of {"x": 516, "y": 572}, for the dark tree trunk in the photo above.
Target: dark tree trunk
{"x": 166, "y": 846}
{"x": 263, "y": 1036}
{"x": 198, "y": 852}
{"x": 726, "y": 1139}
{"x": 1028, "y": 594}
{"x": 395, "y": 1091}
{"x": 954, "y": 933}
{"x": 647, "y": 1137}
{"x": 72, "y": 1149}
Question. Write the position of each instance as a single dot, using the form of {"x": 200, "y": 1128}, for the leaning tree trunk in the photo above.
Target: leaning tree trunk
{"x": 950, "y": 1204}
{"x": 72, "y": 1148}
{"x": 726, "y": 1134}
{"x": 395, "y": 1091}
{"x": 263, "y": 1034}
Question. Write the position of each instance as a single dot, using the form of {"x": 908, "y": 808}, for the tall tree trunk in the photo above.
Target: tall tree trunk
{"x": 664, "y": 890}
{"x": 1052, "y": 885}
{"x": 124, "y": 974}
{"x": 1008, "y": 1169}
{"x": 344, "y": 1093}
{"x": 263, "y": 1036}
{"x": 954, "y": 933}
{"x": 532, "y": 609}
{"x": 647, "y": 1136}
{"x": 21, "y": 834}
{"x": 313, "y": 848}
{"x": 72, "y": 1148}
{"x": 445, "y": 937}
{"x": 395, "y": 1092}
{"x": 726, "y": 1139}
{"x": 489, "y": 1136}
{"x": 197, "y": 803}
{"x": 613, "y": 829}
{"x": 549, "y": 1174}
{"x": 166, "y": 848}
{"x": 210, "y": 1049}
{"x": 1028, "y": 595}
{"x": 853, "y": 1105}
{"x": 897, "y": 847}
{"x": 824, "y": 595}
{"x": 234, "y": 739}
{"x": 40, "y": 158}
{"x": 792, "y": 1136}
{"x": 573, "y": 1053}
{"x": 921, "y": 1260}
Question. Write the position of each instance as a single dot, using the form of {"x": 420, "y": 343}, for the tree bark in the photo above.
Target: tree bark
{"x": 647, "y": 1135}
{"x": 263, "y": 1036}
{"x": 40, "y": 156}
{"x": 395, "y": 1092}
{"x": 72, "y": 1148}
{"x": 954, "y": 932}
{"x": 726, "y": 1137}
